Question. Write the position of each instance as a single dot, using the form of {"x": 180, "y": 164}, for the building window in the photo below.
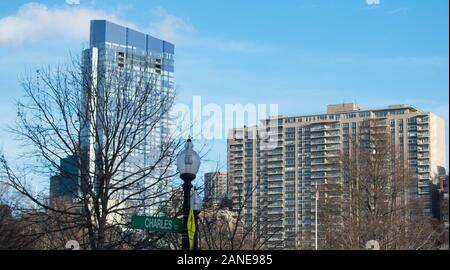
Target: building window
{"x": 381, "y": 114}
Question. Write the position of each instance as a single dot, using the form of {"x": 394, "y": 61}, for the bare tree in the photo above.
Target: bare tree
{"x": 11, "y": 227}
{"x": 224, "y": 226}
{"x": 104, "y": 121}
{"x": 375, "y": 199}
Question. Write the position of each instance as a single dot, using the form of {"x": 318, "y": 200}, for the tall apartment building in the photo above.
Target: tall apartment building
{"x": 113, "y": 49}
{"x": 216, "y": 187}
{"x": 275, "y": 166}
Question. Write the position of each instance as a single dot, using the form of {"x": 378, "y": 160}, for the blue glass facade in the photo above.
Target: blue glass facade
{"x": 66, "y": 183}
{"x": 142, "y": 54}
{"x": 116, "y": 49}
{"x": 105, "y": 33}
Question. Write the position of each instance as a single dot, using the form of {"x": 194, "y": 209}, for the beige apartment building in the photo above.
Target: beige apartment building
{"x": 216, "y": 187}
{"x": 273, "y": 167}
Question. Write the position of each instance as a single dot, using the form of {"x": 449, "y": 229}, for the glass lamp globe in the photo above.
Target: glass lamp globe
{"x": 188, "y": 162}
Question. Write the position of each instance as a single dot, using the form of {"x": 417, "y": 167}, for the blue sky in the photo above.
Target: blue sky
{"x": 300, "y": 55}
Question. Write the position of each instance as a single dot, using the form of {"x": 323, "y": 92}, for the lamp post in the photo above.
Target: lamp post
{"x": 188, "y": 163}
{"x": 197, "y": 205}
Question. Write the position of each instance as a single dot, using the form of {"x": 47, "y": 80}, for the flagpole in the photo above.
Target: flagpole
{"x": 317, "y": 200}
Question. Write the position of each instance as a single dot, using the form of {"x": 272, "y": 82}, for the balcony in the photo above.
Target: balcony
{"x": 318, "y": 176}
{"x": 423, "y": 162}
{"x": 238, "y": 175}
{"x": 274, "y": 191}
{"x": 238, "y": 180}
{"x": 318, "y": 149}
{"x": 332, "y": 142}
{"x": 323, "y": 154}
{"x": 276, "y": 212}
{"x": 275, "y": 165}
{"x": 275, "y": 172}
{"x": 324, "y": 161}
{"x": 423, "y": 184}
{"x": 423, "y": 135}
{"x": 422, "y": 128}
{"x": 324, "y": 169}
{"x": 271, "y": 149}
{"x": 317, "y": 142}
{"x": 423, "y": 170}
{"x": 423, "y": 121}
{"x": 425, "y": 176}
{"x": 276, "y": 205}
{"x": 318, "y": 134}
{"x": 423, "y": 141}
{"x": 275, "y": 158}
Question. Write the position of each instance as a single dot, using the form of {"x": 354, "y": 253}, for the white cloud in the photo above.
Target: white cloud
{"x": 182, "y": 32}
{"x": 373, "y": 2}
{"x": 73, "y": 2}
{"x": 38, "y": 22}
{"x": 34, "y": 22}
{"x": 170, "y": 27}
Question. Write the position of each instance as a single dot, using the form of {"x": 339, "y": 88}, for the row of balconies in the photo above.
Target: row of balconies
{"x": 275, "y": 158}
{"x": 324, "y": 127}
{"x": 274, "y": 191}
{"x": 324, "y": 134}
{"x": 325, "y": 175}
{"x": 329, "y": 160}
{"x": 325, "y": 141}
{"x": 324, "y": 169}
{"x": 275, "y": 165}
{"x": 323, "y": 154}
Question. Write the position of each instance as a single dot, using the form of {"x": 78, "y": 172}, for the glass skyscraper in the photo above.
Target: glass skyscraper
{"x": 65, "y": 185}
{"x": 116, "y": 48}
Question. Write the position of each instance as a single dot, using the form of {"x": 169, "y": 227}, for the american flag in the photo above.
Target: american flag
{"x": 317, "y": 195}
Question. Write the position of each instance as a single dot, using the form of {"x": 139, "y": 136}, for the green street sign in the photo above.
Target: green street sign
{"x": 156, "y": 224}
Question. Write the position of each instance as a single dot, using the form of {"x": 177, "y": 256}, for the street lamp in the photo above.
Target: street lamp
{"x": 197, "y": 205}
{"x": 188, "y": 163}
